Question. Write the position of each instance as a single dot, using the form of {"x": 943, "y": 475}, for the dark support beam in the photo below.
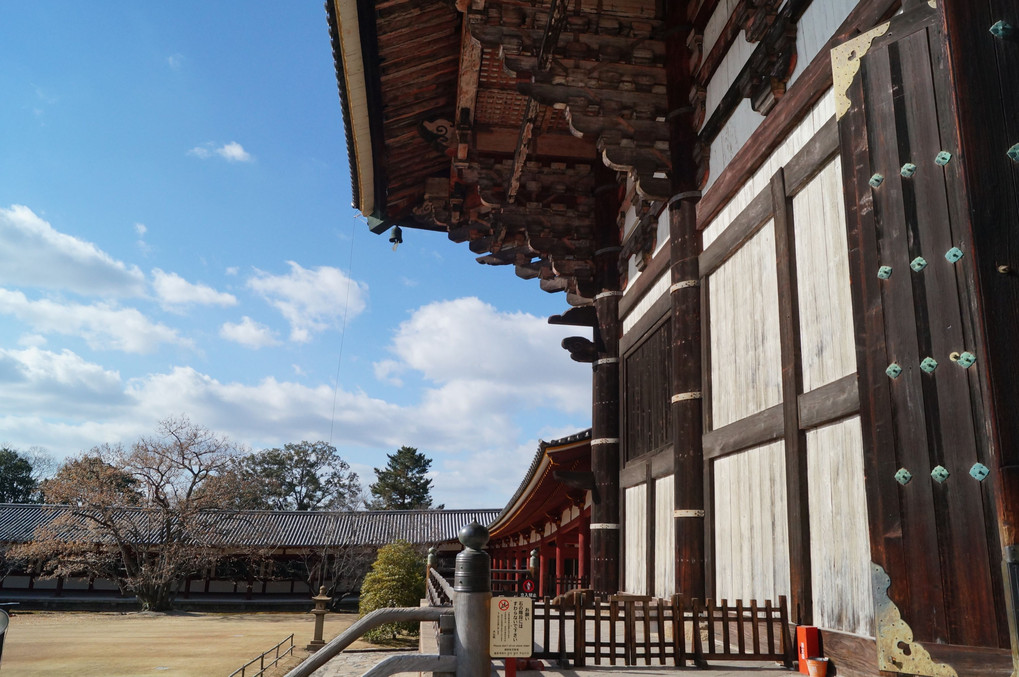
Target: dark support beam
{"x": 605, "y": 513}
{"x": 581, "y": 316}
{"x": 685, "y": 247}
{"x": 797, "y": 504}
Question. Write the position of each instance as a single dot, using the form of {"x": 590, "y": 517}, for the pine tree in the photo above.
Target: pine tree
{"x": 403, "y": 484}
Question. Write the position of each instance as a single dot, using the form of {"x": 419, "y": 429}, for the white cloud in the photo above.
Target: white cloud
{"x": 144, "y": 247}
{"x": 231, "y": 152}
{"x": 468, "y": 421}
{"x": 32, "y": 341}
{"x": 36, "y": 255}
{"x": 488, "y": 367}
{"x": 386, "y": 370}
{"x": 232, "y": 270}
{"x": 104, "y": 326}
{"x": 248, "y": 333}
{"x": 175, "y": 61}
{"x": 33, "y": 380}
{"x": 312, "y": 300}
{"x": 466, "y": 339}
{"x": 234, "y": 152}
{"x": 175, "y": 292}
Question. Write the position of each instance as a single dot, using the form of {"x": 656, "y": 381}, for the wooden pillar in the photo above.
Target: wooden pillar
{"x": 559, "y": 564}
{"x": 542, "y": 570}
{"x": 684, "y": 248}
{"x": 581, "y": 555}
{"x": 605, "y": 513}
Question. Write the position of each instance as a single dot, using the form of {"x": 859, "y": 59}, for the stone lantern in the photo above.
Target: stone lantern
{"x": 320, "y": 611}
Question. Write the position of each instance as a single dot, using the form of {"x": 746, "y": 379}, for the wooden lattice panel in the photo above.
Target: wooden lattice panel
{"x": 493, "y": 72}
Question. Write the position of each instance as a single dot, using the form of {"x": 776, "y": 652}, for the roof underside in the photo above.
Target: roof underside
{"x": 541, "y": 496}
{"x": 496, "y": 125}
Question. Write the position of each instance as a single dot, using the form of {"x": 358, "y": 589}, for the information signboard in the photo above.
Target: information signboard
{"x": 512, "y": 627}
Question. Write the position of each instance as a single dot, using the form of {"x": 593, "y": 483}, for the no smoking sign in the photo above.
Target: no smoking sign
{"x": 512, "y": 630}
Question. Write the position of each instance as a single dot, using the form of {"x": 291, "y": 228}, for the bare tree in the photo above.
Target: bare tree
{"x": 143, "y": 515}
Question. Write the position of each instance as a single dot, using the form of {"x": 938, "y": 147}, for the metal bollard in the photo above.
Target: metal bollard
{"x": 473, "y": 586}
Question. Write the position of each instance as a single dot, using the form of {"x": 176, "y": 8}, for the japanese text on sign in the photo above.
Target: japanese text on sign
{"x": 512, "y": 629}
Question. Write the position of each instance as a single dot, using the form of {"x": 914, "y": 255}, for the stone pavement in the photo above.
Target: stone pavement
{"x": 356, "y": 663}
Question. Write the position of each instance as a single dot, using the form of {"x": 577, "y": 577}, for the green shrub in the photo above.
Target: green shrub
{"x": 396, "y": 579}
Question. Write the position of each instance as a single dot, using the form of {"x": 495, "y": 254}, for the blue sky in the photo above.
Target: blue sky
{"x": 176, "y": 237}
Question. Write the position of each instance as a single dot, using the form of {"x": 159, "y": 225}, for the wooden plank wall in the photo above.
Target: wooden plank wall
{"x": 665, "y": 538}
{"x": 751, "y": 532}
{"x": 819, "y": 114}
{"x": 839, "y": 544}
{"x": 781, "y": 371}
{"x": 635, "y": 540}
{"x": 746, "y": 365}
{"x": 822, "y": 264}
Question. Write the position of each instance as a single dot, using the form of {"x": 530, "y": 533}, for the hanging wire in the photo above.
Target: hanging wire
{"x": 343, "y": 328}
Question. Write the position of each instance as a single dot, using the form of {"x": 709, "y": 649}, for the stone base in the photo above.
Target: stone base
{"x": 315, "y": 646}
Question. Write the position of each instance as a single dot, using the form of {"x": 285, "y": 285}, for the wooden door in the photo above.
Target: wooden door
{"x": 934, "y": 538}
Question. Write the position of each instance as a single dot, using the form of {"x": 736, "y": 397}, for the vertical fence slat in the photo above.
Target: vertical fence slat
{"x": 725, "y": 626}
{"x": 678, "y": 632}
{"x": 740, "y": 640}
{"x": 561, "y": 622}
{"x": 698, "y": 646}
{"x": 613, "y": 614}
{"x": 710, "y": 648}
{"x": 579, "y": 631}
{"x": 768, "y": 627}
{"x": 660, "y": 610}
{"x": 549, "y": 620}
{"x": 755, "y": 630}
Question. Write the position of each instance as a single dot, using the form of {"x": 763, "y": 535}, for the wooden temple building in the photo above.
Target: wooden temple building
{"x": 788, "y": 229}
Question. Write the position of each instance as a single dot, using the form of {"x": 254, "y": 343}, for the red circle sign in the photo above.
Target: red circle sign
{"x": 503, "y": 604}
{"x": 528, "y": 585}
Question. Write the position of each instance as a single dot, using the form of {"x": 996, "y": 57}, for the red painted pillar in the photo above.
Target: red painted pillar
{"x": 581, "y": 555}
{"x": 542, "y": 570}
{"x": 559, "y": 564}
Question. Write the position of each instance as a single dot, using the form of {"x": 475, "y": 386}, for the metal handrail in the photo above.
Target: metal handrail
{"x": 361, "y": 626}
{"x": 242, "y": 671}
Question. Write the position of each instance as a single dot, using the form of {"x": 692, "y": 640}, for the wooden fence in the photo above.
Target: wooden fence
{"x": 634, "y": 630}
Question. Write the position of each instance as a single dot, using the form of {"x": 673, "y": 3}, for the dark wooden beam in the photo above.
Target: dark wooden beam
{"x": 753, "y": 431}
{"x": 829, "y": 403}
{"x": 797, "y": 503}
{"x": 580, "y": 316}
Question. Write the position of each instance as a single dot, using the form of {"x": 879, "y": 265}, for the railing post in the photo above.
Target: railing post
{"x": 446, "y": 640}
{"x": 473, "y": 586}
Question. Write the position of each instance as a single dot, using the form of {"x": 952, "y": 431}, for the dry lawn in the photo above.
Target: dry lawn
{"x": 129, "y": 644}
